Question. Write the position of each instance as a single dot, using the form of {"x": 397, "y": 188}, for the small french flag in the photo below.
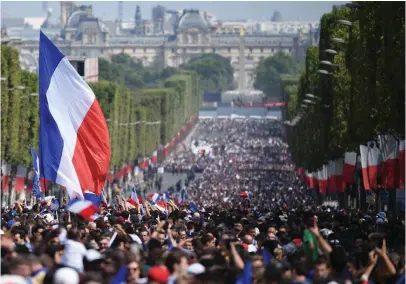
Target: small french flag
{"x": 162, "y": 207}
{"x": 154, "y": 198}
{"x": 92, "y": 197}
{"x": 244, "y": 194}
{"x": 166, "y": 197}
{"x": 104, "y": 199}
{"x": 84, "y": 208}
{"x": 182, "y": 196}
{"x": 134, "y": 200}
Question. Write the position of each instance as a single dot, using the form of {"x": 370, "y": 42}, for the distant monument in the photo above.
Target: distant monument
{"x": 276, "y": 17}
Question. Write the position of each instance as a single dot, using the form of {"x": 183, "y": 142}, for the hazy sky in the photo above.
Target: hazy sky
{"x": 309, "y": 10}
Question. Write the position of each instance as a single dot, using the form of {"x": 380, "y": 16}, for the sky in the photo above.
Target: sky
{"x": 253, "y": 10}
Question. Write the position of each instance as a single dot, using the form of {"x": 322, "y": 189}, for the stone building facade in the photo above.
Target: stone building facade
{"x": 82, "y": 34}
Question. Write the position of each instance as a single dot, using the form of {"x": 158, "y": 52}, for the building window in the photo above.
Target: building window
{"x": 202, "y": 50}
{"x": 262, "y": 50}
{"x": 229, "y": 50}
{"x": 145, "y": 50}
{"x": 122, "y": 50}
{"x": 134, "y": 49}
{"x": 213, "y": 50}
{"x": 173, "y": 50}
{"x": 102, "y": 51}
{"x": 290, "y": 49}
{"x": 273, "y": 49}
{"x": 250, "y": 49}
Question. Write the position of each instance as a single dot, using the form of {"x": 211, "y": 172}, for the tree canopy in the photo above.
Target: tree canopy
{"x": 269, "y": 71}
{"x": 364, "y": 94}
{"x": 125, "y": 70}
{"x": 141, "y": 118}
{"x": 215, "y": 71}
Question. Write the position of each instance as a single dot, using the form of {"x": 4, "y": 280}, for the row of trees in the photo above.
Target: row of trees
{"x": 19, "y": 109}
{"x": 142, "y": 115}
{"x": 141, "y": 121}
{"x": 362, "y": 93}
{"x": 215, "y": 72}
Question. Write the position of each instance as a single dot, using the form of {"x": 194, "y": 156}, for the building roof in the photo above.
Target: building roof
{"x": 75, "y": 19}
{"x": 12, "y": 22}
{"x": 191, "y": 19}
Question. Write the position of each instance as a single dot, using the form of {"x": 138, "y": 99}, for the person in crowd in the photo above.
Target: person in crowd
{"x": 244, "y": 216}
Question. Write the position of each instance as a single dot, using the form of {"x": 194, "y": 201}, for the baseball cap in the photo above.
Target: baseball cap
{"x": 196, "y": 269}
{"x": 158, "y": 274}
{"x": 297, "y": 242}
{"x": 66, "y": 275}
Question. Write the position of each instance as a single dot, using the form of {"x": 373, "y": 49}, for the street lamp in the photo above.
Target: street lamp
{"x": 306, "y": 101}
{"x": 325, "y": 62}
{"x": 345, "y": 23}
{"x": 324, "y": 72}
{"x": 338, "y": 40}
{"x": 331, "y": 51}
{"x": 312, "y": 96}
{"x": 17, "y": 88}
{"x": 30, "y": 95}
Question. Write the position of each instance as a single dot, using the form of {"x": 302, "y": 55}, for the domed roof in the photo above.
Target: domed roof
{"x": 191, "y": 19}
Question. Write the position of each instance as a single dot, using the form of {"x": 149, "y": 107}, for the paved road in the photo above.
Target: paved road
{"x": 168, "y": 178}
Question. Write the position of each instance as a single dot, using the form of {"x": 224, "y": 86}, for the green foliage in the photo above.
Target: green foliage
{"x": 140, "y": 118}
{"x": 127, "y": 111}
{"x": 4, "y": 101}
{"x": 215, "y": 72}
{"x": 20, "y": 115}
{"x": 14, "y": 96}
{"x": 365, "y": 95}
{"x": 269, "y": 71}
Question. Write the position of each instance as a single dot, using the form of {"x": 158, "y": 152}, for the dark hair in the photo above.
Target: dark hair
{"x": 173, "y": 258}
{"x": 74, "y": 234}
{"x": 36, "y": 228}
{"x": 300, "y": 268}
{"x": 205, "y": 239}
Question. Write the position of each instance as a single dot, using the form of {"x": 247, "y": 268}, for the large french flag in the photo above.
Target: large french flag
{"x": 364, "y": 164}
{"x": 389, "y": 168}
{"x": 402, "y": 163}
{"x": 374, "y": 156}
{"x": 322, "y": 176}
{"x": 335, "y": 170}
{"x": 350, "y": 159}
{"x": 74, "y": 145}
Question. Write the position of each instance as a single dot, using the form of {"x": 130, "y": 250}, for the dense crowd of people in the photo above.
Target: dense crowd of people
{"x": 246, "y": 219}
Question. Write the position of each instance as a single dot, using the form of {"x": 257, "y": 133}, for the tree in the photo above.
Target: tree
{"x": 215, "y": 72}
{"x": 364, "y": 94}
{"x": 269, "y": 70}
{"x": 126, "y": 106}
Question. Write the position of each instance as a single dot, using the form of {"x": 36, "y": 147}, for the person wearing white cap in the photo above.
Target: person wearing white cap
{"x": 196, "y": 269}
{"x": 66, "y": 275}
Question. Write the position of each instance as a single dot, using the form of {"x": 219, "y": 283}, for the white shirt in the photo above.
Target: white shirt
{"x": 73, "y": 255}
